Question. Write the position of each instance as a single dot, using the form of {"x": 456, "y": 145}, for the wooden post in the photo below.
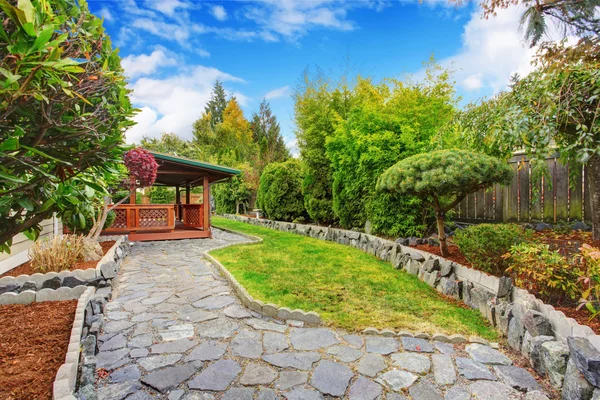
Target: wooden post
{"x": 187, "y": 193}
{"x": 132, "y": 190}
{"x": 206, "y": 200}
{"x": 178, "y": 201}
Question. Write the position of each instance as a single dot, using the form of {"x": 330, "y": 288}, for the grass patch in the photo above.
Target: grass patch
{"x": 347, "y": 287}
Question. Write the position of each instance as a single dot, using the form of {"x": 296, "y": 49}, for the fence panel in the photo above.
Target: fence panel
{"x": 553, "y": 198}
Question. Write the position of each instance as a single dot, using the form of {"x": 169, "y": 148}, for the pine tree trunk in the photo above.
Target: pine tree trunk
{"x": 441, "y": 234}
{"x": 594, "y": 176}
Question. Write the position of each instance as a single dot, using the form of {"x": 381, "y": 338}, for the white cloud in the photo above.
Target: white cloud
{"x": 163, "y": 29}
{"x": 278, "y": 92}
{"x": 167, "y": 7}
{"x": 219, "y": 12}
{"x": 174, "y": 103}
{"x": 492, "y": 51}
{"x": 145, "y": 64}
{"x": 106, "y": 14}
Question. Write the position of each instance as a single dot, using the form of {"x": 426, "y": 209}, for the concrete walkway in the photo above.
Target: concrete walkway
{"x": 176, "y": 330}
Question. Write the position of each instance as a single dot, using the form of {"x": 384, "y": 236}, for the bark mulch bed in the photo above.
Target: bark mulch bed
{"x": 25, "y": 268}
{"x": 34, "y": 339}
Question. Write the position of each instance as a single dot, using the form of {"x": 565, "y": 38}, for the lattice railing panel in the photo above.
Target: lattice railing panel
{"x": 120, "y": 219}
{"x": 193, "y": 216}
{"x": 153, "y": 217}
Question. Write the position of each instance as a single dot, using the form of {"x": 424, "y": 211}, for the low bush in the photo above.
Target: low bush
{"x": 89, "y": 224}
{"x": 280, "y": 191}
{"x": 485, "y": 244}
{"x": 56, "y": 254}
{"x": 590, "y": 281}
{"x": 544, "y": 272}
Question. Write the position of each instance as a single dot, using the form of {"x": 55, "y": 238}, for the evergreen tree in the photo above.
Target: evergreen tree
{"x": 267, "y": 134}
{"x": 216, "y": 105}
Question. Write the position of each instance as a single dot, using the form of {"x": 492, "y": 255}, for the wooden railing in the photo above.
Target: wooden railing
{"x": 143, "y": 217}
{"x": 193, "y": 215}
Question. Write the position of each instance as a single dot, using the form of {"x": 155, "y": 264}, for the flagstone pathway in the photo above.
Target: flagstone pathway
{"x": 176, "y": 330}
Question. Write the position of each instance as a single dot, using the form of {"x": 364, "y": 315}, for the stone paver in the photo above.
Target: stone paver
{"x": 176, "y": 330}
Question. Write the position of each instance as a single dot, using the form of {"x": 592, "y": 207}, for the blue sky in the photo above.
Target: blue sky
{"x": 173, "y": 50}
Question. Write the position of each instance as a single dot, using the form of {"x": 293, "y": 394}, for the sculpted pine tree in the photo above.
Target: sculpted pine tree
{"x": 443, "y": 179}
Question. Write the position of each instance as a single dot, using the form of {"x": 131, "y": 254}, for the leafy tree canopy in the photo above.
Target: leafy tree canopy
{"x": 64, "y": 109}
{"x": 266, "y": 133}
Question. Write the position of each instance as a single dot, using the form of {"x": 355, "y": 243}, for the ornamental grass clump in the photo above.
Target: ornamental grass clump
{"x": 56, "y": 254}
{"x": 443, "y": 178}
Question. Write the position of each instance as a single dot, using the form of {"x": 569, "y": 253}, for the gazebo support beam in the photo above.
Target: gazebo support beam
{"x": 206, "y": 201}
{"x": 187, "y": 193}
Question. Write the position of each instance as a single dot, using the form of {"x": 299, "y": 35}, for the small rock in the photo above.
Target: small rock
{"x": 29, "y": 285}
{"x": 487, "y": 355}
{"x": 417, "y": 345}
{"x": 516, "y": 377}
{"x": 331, "y": 378}
{"x": 397, "y": 379}
{"x": 72, "y": 281}
{"x": 536, "y": 324}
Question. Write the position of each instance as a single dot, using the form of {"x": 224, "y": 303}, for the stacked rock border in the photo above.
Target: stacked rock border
{"x": 106, "y": 269}
{"x": 66, "y": 377}
{"x": 269, "y": 309}
{"x": 556, "y": 346}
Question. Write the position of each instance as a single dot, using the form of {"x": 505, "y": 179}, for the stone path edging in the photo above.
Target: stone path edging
{"x": 269, "y": 309}
{"x": 66, "y": 377}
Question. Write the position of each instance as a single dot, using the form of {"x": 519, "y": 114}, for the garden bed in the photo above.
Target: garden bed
{"x": 34, "y": 339}
{"x": 26, "y": 269}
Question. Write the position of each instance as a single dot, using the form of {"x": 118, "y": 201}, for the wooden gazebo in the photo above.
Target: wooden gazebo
{"x": 181, "y": 220}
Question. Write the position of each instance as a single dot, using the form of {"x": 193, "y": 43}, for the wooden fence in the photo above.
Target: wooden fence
{"x": 552, "y": 199}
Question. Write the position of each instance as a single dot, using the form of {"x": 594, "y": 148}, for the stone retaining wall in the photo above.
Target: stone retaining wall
{"x": 106, "y": 269}
{"x": 66, "y": 376}
{"x": 556, "y": 346}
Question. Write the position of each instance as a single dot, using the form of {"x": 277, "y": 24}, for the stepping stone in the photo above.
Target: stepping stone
{"x": 487, "y": 355}
{"x": 491, "y": 390}
{"x": 443, "y": 369}
{"x": 145, "y": 317}
{"x": 397, "y": 379}
{"x": 417, "y": 363}
{"x": 117, "y": 315}
{"x": 175, "y": 394}
{"x": 267, "y": 394}
{"x": 237, "y": 311}
{"x": 312, "y": 338}
{"x": 207, "y": 351}
{"x": 331, "y": 378}
{"x": 167, "y": 308}
{"x": 220, "y": 328}
{"x": 354, "y": 341}
{"x": 116, "y": 342}
{"x": 274, "y": 342}
{"x": 265, "y": 325}
{"x": 214, "y": 302}
{"x": 303, "y": 394}
{"x": 302, "y": 361}
{"x": 198, "y": 316}
{"x": 371, "y": 365}
{"x": 344, "y": 353}
{"x": 289, "y": 379}
{"x": 473, "y": 370}
{"x": 364, "y": 389}
{"x": 445, "y": 348}
{"x": 177, "y": 346}
{"x": 417, "y": 345}
{"x": 127, "y": 373}
{"x": 117, "y": 326}
{"x": 238, "y": 393}
{"x": 217, "y": 376}
{"x": 247, "y": 344}
{"x": 144, "y": 340}
{"x": 154, "y": 362}
{"x": 518, "y": 378}
{"x": 425, "y": 391}
{"x": 118, "y": 391}
{"x": 112, "y": 359}
{"x": 457, "y": 393}
{"x": 382, "y": 345}
{"x": 156, "y": 299}
{"x": 138, "y": 353}
{"x": 256, "y": 374}
{"x": 395, "y": 396}
{"x": 177, "y": 332}
{"x": 169, "y": 378}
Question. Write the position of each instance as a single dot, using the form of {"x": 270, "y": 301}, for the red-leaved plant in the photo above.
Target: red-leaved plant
{"x": 141, "y": 164}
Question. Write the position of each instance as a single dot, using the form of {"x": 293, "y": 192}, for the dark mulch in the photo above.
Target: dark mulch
{"x": 25, "y": 268}
{"x": 33, "y": 344}
{"x": 455, "y": 254}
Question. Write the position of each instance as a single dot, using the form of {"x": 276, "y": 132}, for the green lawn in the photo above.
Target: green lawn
{"x": 348, "y": 288}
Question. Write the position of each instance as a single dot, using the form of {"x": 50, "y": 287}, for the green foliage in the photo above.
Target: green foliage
{"x": 162, "y": 195}
{"x": 64, "y": 110}
{"x": 280, "y": 191}
{"x": 266, "y": 133}
{"x": 170, "y": 143}
{"x": 485, "y": 244}
{"x": 590, "y": 281}
{"x": 75, "y": 227}
{"x": 543, "y": 272}
{"x": 395, "y": 216}
{"x": 216, "y": 105}
{"x": 449, "y": 173}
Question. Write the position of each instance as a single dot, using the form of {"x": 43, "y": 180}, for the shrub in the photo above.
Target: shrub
{"x": 162, "y": 195}
{"x": 590, "y": 281}
{"x": 535, "y": 267}
{"x": 485, "y": 244}
{"x": 56, "y": 254}
{"x": 280, "y": 191}
{"x": 89, "y": 223}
